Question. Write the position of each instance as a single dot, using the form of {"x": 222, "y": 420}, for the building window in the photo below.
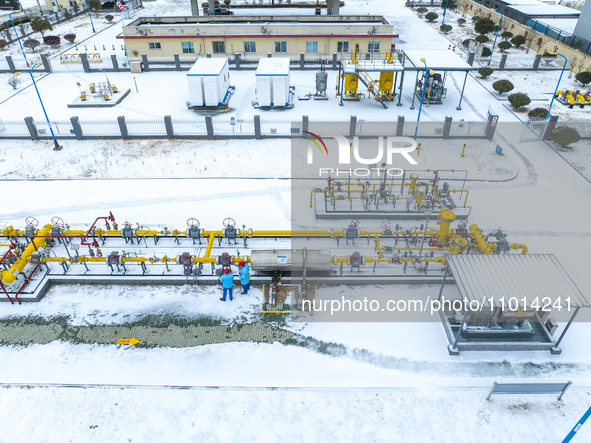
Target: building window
{"x": 154, "y": 45}
{"x": 219, "y": 47}
{"x": 312, "y": 47}
{"x": 281, "y": 47}
{"x": 250, "y": 47}
{"x": 342, "y": 46}
{"x": 373, "y": 46}
{"x": 188, "y": 47}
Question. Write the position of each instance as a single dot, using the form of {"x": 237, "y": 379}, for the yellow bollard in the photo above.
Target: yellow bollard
{"x": 463, "y": 150}
{"x": 419, "y": 150}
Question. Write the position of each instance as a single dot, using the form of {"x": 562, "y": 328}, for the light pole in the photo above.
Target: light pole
{"x": 557, "y": 84}
{"x": 89, "y": 15}
{"x": 56, "y": 145}
{"x": 422, "y": 96}
{"x": 17, "y": 37}
{"x": 496, "y": 35}
{"x": 444, "y": 11}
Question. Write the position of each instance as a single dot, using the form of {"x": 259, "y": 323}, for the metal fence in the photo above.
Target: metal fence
{"x": 210, "y": 127}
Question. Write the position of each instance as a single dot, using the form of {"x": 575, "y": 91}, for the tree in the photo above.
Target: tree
{"x": 485, "y": 72}
{"x": 466, "y": 43}
{"x": 507, "y": 35}
{"x": 486, "y": 52}
{"x": 461, "y": 21}
{"x": 3, "y": 44}
{"x": 41, "y": 25}
{"x": 451, "y": 4}
{"x": 583, "y": 77}
{"x": 519, "y": 100}
{"x": 565, "y": 135}
{"x": 109, "y": 18}
{"x": 484, "y": 25}
{"x": 95, "y": 5}
{"x": 518, "y": 40}
{"x": 481, "y": 38}
{"x": 431, "y": 17}
{"x": 502, "y": 86}
{"x": 31, "y": 44}
{"x": 503, "y": 46}
{"x": 51, "y": 40}
{"x": 13, "y": 81}
{"x": 445, "y": 28}
{"x": 70, "y": 37}
{"x": 537, "y": 113}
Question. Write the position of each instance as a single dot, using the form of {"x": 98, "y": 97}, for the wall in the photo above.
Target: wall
{"x": 170, "y": 46}
{"x": 578, "y": 61}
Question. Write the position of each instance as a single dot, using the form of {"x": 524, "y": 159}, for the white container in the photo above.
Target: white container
{"x": 209, "y": 82}
{"x": 272, "y": 80}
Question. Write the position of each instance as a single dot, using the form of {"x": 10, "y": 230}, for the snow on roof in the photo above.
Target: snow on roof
{"x": 445, "y": 60}
{"x": 541, "y": 9}
{"x": 521, "y": 2}
{"x": 488, "y": 278}
{"x": 208, "y": 66}
{"x": 273, "y": 66}
{"x": 563, "y": 24}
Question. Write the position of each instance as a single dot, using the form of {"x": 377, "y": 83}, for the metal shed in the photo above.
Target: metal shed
{"x": 516, "y": 295}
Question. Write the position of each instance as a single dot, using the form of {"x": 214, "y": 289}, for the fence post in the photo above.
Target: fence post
{"x": 209, "y": 126}
{"x": 237, "y": 61}
{"x": 269, "y": 55}
{"x": 10, "y": 63}
{"x": 84, "y": 61}
{"x": 447, "y": 127}
{"x": 177, "y": 62}
{"x": 503, "y": 61}
{"x": 208, "y": 55}
{"x": 400, "y": 125}
{"x": 31, "y": 127}
{"x": 257, "y": 126}
{"x": 334, "y": 61}
{"x": 353, "y": 126}
{"x": 114, "y": 61}
{"x": 552, "y": 121}
{"x": 8, "y": 36}
{"x": 76, "y": 126}
{"x": 537, "y": 61}
{"x": 46, "y": 64}
{"x": 471, "y": 58}
{"x": 305, "y": 122}
{"x": 145, "y": 62}
{"x": 168, "y": 126}
{"x": 302, "y": 60}
{"x": 122, "y": 126}
{"x": 491, "y": 126}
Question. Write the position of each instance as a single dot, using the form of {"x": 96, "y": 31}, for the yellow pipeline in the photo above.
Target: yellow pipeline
{"x": 444, "y": 220}
{"x": 483, "y": 246}
{"x": 8, "y": 276}
{"x": 581, "y": 98}
{"x": 413, "y": 183}
{"x": 11, "y": 232}
{"x": 519, "y": 246}
{"x": 209, "y": 246}
{"x": 570, "y": 98}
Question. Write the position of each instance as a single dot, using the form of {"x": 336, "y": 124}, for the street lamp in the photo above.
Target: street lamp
{"x": 89, "y": 15}
{"x": 444, "y": 11}
{"x": 17, "y": 37}
{"x": 422, "y": 95}
{"x": 496, "y": 35}
{"x": 56, "y": 145}
{"x": 557, "y": 84}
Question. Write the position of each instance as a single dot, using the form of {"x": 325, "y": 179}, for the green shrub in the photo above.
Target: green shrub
{"x": 507, "y": 35}
{"x": 519, "y": 100}
{"x": 518, "y": 40}
{"x": 584, "y": 77}
{"x": 486, "y": 52}
{"x": 466, "y": 43}
{"x": 485, "y": 72}
{"x": 70, "y": 37}
{"x": 502, "y": 86}
{"x": 537, "y": 113}
{"x": 565, "y": 135}
{"x": 109, "y": 18}
{"x": 445, "y": 28}
{"x": 461, "y": 21}
{"x": 481, "y": 38}
{"x": 431, "y": 17}
{"x": 484, "y": 25}
{"x": 503, "y": 46}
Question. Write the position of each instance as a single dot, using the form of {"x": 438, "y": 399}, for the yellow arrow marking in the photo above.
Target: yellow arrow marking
{"x": 128, "y": 341}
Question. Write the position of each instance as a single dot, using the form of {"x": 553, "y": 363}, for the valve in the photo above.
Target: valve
{"x": 113, "y": 258}
{"x": 225, "y": 259}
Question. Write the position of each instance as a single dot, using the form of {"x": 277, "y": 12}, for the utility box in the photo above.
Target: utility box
{"x": 209, "y": 83}
{"x": 272, "y": 83}
{"x": 135, "y": 67}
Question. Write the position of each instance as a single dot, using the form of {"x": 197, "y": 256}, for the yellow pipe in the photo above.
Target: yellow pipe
{"x": 209, "y": 246}
{"x": 519, "y": 246}
{"x": 9, "y": 276}
{"x": 444, "y": 220}
{"x": 73, "y": 232}
{"x": 54, "y": 259}
{"x": 570, "y": 98}
{"x": 483, "y": 246}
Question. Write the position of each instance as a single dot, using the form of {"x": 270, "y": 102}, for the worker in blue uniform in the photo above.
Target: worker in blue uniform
{"x": 244, "y": 277}
{"x": 227, "y": 280}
